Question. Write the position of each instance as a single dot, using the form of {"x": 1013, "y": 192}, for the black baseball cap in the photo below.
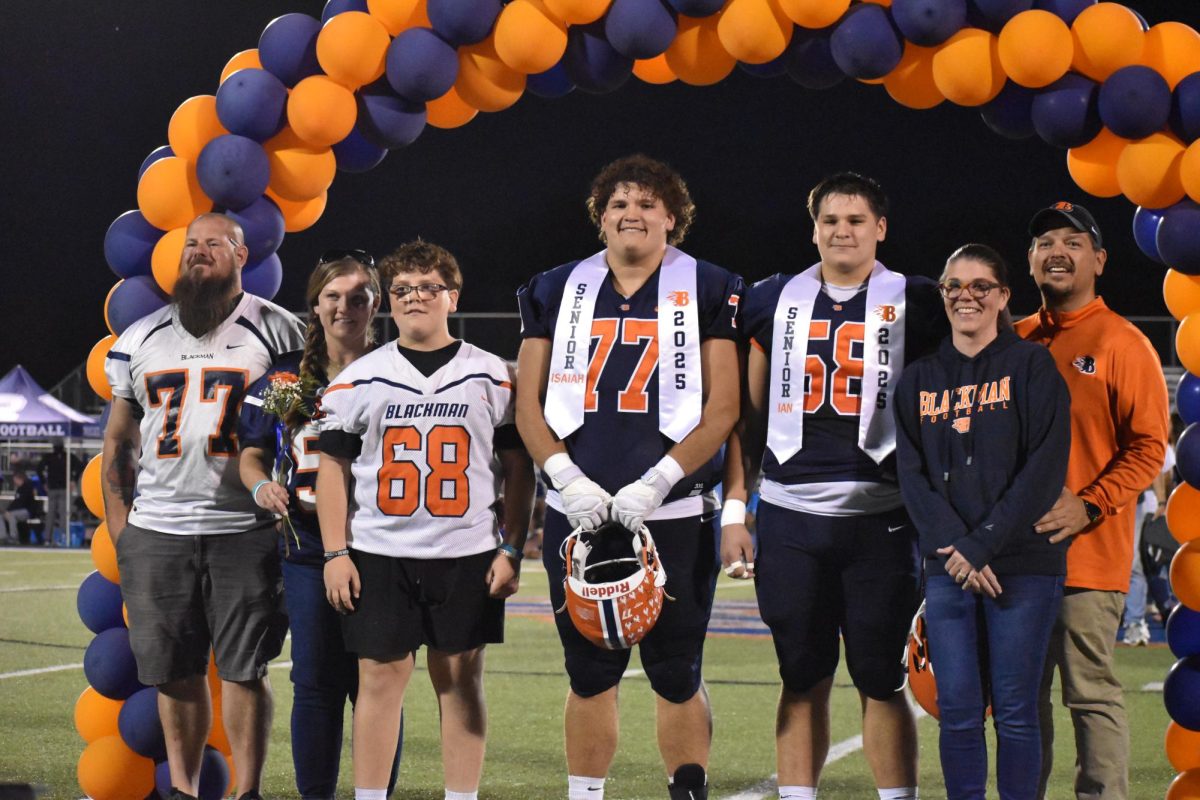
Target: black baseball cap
{"x": 1066, "y": 215}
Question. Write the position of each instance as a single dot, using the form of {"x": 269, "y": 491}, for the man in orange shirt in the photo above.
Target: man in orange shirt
{"x": 1118, "y": 441}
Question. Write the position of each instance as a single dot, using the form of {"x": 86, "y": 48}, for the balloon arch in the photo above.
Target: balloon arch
{"x": 338, "y": 93}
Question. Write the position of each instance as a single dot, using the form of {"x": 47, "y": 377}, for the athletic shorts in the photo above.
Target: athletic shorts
{"x": 672, "y": 652}
{"x": 408, "y": 602}
{"x": 818, "y": 576}
{"x": 190, "y": 594}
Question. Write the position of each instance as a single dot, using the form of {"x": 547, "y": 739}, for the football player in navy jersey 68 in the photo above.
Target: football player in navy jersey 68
{"x": 835, "y": 550}
{"x": 629, "y": 386}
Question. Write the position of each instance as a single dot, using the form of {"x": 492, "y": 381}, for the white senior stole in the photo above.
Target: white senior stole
{"x": 680, "y": 397}
{"x": 883, "y": 358}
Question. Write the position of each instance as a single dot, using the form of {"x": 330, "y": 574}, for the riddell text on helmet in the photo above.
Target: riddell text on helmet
{"x": 605, "y": 590}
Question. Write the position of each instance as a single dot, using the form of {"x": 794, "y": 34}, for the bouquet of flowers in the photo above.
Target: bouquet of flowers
{"x": 288, "y": 397}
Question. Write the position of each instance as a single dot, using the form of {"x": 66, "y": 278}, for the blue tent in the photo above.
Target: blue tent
{"x": 27, "y": 411}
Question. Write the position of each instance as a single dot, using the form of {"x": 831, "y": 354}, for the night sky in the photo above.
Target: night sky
{"x": 88, "y": 89}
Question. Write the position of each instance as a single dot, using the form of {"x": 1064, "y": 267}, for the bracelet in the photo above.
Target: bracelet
{"x": 510, "y": 551}
{"x": 733, "y": 513}
{"x": 257, "y": 486}
{"x": 330, "y": 555}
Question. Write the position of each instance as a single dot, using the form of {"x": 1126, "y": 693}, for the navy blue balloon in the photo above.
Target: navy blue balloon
{"x": 264, "y": 278}
{"x": 1181, "y": 692}
{"x": 771, "y": 69}
{"x": 1178, "y": 237}
{"x": 1183, "y": 631}
{"x": 421, "y": 65}
{"x": 1185, "y": 108}
{"x": 865, "y": 43}
{"x": 696, "y": 8}
{"x": 335, "y": 7}
{"x": 129, "y": 243}
{"x": 1066, "y": 10}
{"x": 1010, "y": 113}
{"x": 109, "y": 666}
{"x": 463, "y": 21}
{"x": 252, "y": 103}
{"x": 214, "y": 775}
{"x": 386, "y": 119}
{"x": 810, "y": 59}
{"x": 133, "y": 299}
{"x": 1187, "y": 398}
{"x": 99, "y": 603}
{"x": 639, "y": 28}
{"x": 233, "y": 170}
{"x": 1066, "y": 113}
{"x": 159, "y": 152}
{"x": 1187, "y": 454}
{"x": 262, "y": 223}
{"x": 356, "y": 153}
{"x": 592, "y": 63}
{"x": 929, "y": 22}
{"x": 287, "y": 47}
{"x": 140, "y": 726}
{"x": 1135, "y": 102}
{"x": 991, "y": 15}
{"x": 551, "y": 84}
{"x": 1145, "y": 232}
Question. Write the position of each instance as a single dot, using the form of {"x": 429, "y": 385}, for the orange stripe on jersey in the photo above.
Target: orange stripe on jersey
{"x": 336, "y": 386}
{"x": 505, "y": 384}
{"x": 755, "y": 343}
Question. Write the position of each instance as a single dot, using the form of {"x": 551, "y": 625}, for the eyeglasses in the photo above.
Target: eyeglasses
{"x": 952, "y": 290}
{"x": 361, "y": 256}
{"x": 425, "y": 291}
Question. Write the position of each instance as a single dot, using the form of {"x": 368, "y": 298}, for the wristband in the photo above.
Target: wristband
{"x": 330, "y": 555}
{"x": 663, "y": 475}
{"x": 507, "y": 549}
{"x": 733, "y": 513}
{"x": 257, "y": 486}
{"x": 561, "y": 470}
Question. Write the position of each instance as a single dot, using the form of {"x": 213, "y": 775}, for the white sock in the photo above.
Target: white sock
{"x": 797, "y": 793}
{"x": 462, "y": 795}
{"x": 369, "y": 794}
{"x": 583, "y": 788}
{"x": 899, "y": 793}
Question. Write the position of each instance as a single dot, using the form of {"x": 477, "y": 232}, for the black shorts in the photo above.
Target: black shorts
{"x": 408, "y": 602}
{"x": 672, "y": 652}
{"x": 816, "y": 576}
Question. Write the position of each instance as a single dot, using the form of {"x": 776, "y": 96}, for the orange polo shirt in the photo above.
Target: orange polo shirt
{"x": 1119, "y": 424}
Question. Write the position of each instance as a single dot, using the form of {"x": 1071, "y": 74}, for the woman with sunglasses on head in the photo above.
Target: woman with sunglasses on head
{"x": 983, "y": 435}
{"x": 278, "y": 464}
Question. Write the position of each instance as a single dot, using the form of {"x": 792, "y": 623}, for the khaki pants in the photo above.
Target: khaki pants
{"x": 1081, "y": 647}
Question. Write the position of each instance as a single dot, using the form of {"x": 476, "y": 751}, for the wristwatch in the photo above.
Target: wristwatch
{"x": 1093, "y": 511}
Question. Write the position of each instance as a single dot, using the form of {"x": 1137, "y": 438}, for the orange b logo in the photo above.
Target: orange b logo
{"x": 962, "y": 424}
{"x": 886, "y": 313}
{"x": 678, "y": 298}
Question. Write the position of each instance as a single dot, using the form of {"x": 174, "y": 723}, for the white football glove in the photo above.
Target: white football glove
{"x": 638, "y": 500}
{"x": 584, "y": 501}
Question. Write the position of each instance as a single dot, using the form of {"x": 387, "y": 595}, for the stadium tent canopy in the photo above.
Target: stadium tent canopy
{"x": 27, "y": 411}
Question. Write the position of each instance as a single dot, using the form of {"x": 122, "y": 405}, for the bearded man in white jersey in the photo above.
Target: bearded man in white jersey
{"x": 199, "y": 569}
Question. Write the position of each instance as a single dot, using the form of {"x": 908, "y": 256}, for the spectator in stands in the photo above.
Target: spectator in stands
{"x": 53, "y": 469}
{"x": 21, "y": 507}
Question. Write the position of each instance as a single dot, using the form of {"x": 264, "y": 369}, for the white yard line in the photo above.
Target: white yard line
{"x": 39, "y": 671}
{"x": 39, "y": 588}
{"x": 1153, "y": 686}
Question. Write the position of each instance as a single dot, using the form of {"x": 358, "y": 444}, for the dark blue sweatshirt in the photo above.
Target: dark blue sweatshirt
{"x": 982, "y": 446}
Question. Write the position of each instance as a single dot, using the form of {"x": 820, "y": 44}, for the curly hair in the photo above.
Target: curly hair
{"x": 422, "y": 257}
{"x": 652, "y": 176}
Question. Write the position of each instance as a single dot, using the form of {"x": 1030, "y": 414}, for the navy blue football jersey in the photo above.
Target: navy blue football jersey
{"x": 833, "y": 376}
{"x": 619, "y": 439}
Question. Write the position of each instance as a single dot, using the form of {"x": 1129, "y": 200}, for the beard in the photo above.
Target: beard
{"x": 203, "y": 303}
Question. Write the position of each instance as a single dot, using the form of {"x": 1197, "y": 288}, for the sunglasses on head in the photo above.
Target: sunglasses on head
{"x": 361, "y": 256}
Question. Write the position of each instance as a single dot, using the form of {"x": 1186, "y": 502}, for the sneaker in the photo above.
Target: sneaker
{"x": 689, "y": 783}
{"x": 1137, "y": 634}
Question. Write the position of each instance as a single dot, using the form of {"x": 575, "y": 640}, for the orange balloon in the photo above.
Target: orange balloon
{"x": 109, "y": 770}
{"x": 1172, "y": 49}
{"x": 1093, "y": 166}
{"x": 654, "y": 70}
{"x": 1182, "y": 746}
{"x": 247, "y": 59}
{"x": 697, "y": 55}
{"x": 104, "y": 555}
{"x": 1186, "y": 786}
{"x": 1185, "y": 574}
{"x": 754, "y": 31}
{"x": 96, "y": 376}
{"x": 529, "y": 37}
{"x": 484, "y": 81}
{"x": 164, "y": 261}
{"x": 814, "y": 13}
{"x": 578, "y": 12}
{"x": 96, "y": 715}
{"x": 321, "y": 111}
{"x": 1183, "y": 506}
{"x": 107, "y": 300}
{"x": 125, "y": 614}
{"x": 352, "y": 48}
{"x": 1036, "y": 48}
{"x": 169, "y": 194}
{"x": 299, "y": 215}
{"x": 1189, "y": 170}
{"x": 399, "y": 15}
{"x": 449, "y": 111}
{"x": 884, "y": 3}
{"x": 911, "y": 82}
{"x": 1107, "y": 36}
{"x": 89, "y": 487}
{"x": 967, "y": 69}
{"x": 1148, "y": 171}
{"x": 299, "y": 171}
{"x": 1181, "y": 293}
{"x": 217, "y": 737}
{"x": 193, "y": 125}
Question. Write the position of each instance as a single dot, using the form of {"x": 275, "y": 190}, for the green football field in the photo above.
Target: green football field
{"x": 42, "y": 643}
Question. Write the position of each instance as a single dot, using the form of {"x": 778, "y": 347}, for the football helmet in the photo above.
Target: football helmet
{"x": 614, "y": 584}
{"x": 919, "y": 666}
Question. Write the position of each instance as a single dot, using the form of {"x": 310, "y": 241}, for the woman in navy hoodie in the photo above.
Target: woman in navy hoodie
{"x": 983, "y": 435}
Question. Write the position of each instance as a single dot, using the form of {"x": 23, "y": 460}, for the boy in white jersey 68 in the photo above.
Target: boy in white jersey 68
{"x": 424, "y": 426}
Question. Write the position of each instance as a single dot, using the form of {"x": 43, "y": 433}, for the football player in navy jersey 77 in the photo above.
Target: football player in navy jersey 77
{"x": 835, "y": 549}
{"x": 628, "y": 388}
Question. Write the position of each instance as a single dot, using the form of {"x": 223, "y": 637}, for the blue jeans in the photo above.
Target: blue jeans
{"x": 324, "y": 676}
{"x": 986, "y": 650}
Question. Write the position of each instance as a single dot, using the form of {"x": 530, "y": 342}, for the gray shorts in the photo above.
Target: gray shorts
{"x": 189, "y": 594}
